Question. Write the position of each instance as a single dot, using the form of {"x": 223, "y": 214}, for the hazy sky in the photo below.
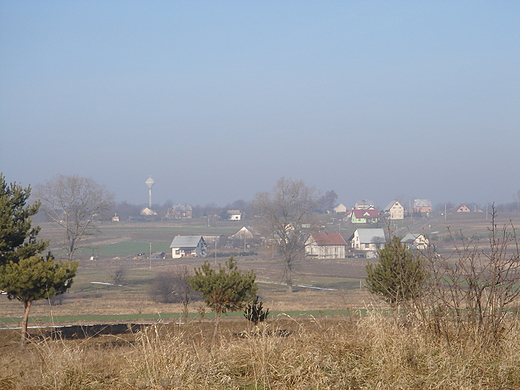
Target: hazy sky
{"x": 218, "y": 99}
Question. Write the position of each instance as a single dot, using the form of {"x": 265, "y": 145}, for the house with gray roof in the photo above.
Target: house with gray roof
{"x": 188, "y": 246}
{"x": 416, "y": 240}
{"x": 368, "y": 239}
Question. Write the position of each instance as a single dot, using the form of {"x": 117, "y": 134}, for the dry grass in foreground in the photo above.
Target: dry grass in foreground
{"x": 373, "y": 352}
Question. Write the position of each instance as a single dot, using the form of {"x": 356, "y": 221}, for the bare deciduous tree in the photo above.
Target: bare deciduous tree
{"x": 171, "y": 286}
{"x": 119, "y": 276}
{"x": 76, "y": 204}
{"x": 470, "y": 292}
{"x": 184, "y": 290}
{"x": 285, "y": 212}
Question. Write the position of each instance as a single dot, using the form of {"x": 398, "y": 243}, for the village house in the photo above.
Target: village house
{"x": 180, "y": 211}
{"x": 234, "y": 215}
{"x": 147, "y": 212}
{"x": 247, "y": 233}
{"x": 422, "y": 206}
{"x": 415, "y": 240}
{"x": 340, "y": 208}
{"x": 461, "y": 208}
{"x": 364, "y": 204}
{"x": 394, "y": 210}
{"x": 325, "y": 246}
{"x": 246, "y": 236}
{"x": 188, "y": 246}
{"x": 364, "y": 217}
{"x": 368, "y": 239}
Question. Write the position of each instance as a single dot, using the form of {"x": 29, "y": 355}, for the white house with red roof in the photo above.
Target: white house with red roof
{"x": 326, "y": 246}
{"x": 364, "y": 217}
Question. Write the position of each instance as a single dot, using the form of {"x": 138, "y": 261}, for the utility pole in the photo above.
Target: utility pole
{"x": 150, "y": 256}
{"x": 216, "y": 250}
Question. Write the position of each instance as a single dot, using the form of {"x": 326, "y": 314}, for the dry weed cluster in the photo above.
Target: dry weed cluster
{"x": 373, "y": 352}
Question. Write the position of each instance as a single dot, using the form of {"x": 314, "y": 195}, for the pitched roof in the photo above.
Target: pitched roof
{"x": 391, "y": 204}
{"x": 461, "y": 206}
{"x": 367, "y": 213}
{"x": 186, "y": 241}
{"x": 411, "y": 237}
{"x": 243, "y": 231}
{"x": 367, "y": 236}
{"x": 323, "y": 239}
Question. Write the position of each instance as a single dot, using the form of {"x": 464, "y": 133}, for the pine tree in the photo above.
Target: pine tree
{"x": 18, "y": 239}
{"x": 227, "y": 289}
{"x": 25, "y": 274}
{"x": 34, "y": 278}
{"x": 398, "y": 276}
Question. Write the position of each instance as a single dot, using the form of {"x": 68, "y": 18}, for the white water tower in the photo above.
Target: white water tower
{"x": 150, "y": 182}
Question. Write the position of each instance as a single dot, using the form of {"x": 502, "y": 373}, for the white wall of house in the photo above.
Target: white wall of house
{"x": 396, "y": 211}
{"x": 325, "y": 251}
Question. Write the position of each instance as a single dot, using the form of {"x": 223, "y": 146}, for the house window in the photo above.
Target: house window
{"x": 177, "y": 251}
{"x": 367, "y": 246}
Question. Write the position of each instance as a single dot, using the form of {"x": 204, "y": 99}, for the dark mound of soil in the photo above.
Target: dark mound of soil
{"x": 85, "y": 331}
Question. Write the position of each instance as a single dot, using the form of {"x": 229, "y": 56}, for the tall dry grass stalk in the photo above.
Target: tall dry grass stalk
{"x": 373, "y": 352}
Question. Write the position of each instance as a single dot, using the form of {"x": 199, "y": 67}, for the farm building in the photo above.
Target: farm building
{"x": 325, "y": 246}
{"x": 188, "y": 246}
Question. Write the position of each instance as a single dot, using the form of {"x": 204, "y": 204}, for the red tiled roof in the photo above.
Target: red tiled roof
{"x": 328, "y": 239}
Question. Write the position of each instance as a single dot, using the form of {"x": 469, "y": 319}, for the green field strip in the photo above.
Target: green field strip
{"x": 157, "y": 317}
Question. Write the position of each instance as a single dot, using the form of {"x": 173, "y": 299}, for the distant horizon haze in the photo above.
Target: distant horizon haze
{"x": 218, "y": 100}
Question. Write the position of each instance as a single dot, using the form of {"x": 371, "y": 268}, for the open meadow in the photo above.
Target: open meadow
{"x": 324, "y": 285}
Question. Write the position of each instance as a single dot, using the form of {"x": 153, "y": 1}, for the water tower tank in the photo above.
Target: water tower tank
{"x": 150, "y": 182}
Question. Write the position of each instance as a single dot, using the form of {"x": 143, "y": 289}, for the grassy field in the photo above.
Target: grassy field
{"x": 328, "y": 334}
{"x": 323, "y": 352}
{"x": 329, "y": 284}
